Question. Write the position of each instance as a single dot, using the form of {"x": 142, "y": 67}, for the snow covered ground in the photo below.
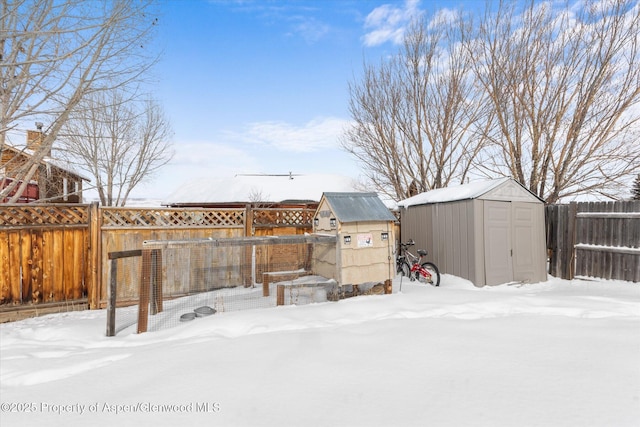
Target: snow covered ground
{"x": 557, "y": 353}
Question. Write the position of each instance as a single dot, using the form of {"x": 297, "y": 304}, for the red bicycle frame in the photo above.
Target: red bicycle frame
{"x": 418, "y": 268}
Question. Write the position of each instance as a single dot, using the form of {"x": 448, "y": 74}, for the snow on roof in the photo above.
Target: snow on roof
{"x": 65, "y": 166}
{"x": 259, "y": 188}
{"x": 452, "y": 193}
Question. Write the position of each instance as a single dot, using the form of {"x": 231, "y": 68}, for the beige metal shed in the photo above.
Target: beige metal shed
{"x": 489, "y": 232}
{"x": 365, "y": 238}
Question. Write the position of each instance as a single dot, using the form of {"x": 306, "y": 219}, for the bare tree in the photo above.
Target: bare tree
{"x": 118, "y": 140}
{"x": 564, "y": 88}
{"x": 258, "y": 198}
{"x": 414, "y": 115}
{"x": 55, "y": 52}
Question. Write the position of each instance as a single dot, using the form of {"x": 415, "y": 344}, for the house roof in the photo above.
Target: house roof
{"x": 494, "y": 189}
{"x": 47, "y": 161}
{"x": 356, "y": 207}
{"x": 258, "y": 188}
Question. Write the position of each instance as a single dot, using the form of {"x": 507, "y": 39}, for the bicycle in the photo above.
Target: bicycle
{"x": 412, "y": 266}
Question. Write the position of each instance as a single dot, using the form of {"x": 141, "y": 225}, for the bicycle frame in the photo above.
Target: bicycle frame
{"x": 405, "y": 256}
{"x": 419, "y": 269}
{"x": 414, "y": 265}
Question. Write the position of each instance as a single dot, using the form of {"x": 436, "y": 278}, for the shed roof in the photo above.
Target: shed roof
{"x": 493, "y": 189}
{"x": 356, "y": 207}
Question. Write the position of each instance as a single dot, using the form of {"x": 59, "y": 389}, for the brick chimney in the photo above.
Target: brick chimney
{"x": 35, "y": 139}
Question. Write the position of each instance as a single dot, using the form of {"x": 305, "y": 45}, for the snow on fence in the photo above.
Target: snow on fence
{"x": 594, "y": 239}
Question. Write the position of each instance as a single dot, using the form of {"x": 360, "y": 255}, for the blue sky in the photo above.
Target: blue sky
{"x": 262, "y": 86}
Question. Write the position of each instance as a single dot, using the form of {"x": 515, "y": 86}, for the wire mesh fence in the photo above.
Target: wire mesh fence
{"x": 183, "y": 280}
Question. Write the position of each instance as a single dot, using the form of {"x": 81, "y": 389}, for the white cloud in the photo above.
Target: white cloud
{"x": 261, "y": 147}
{"x": 196, "y": 154}
{"x": 295, "y": 17}
{"x": 444, "y": 16}
{"x": 310, "y": 29}
{"x": 388, "y": 23}
{"x": 197, "y": 159}
{"x": 314, "y": 135}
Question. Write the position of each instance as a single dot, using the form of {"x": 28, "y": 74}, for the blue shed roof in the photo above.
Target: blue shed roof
{"x": 357, "y": 207}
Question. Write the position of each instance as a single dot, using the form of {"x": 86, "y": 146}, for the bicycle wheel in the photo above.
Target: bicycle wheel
{"x": 433, "y": 270}
{"x": 404, "y": 268}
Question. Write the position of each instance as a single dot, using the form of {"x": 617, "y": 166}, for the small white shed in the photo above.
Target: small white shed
{"x": 489, "y": 232}
{"x": 365, "y": 238}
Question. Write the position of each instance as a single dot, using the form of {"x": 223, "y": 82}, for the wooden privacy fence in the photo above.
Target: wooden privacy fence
{"x": 52, "y": 254}
{"x": 594, "y": 239}
{"x": 44, "y": 253}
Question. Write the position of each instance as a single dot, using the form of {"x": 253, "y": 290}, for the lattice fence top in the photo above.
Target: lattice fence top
{"x": 51, "y": 214}
{"x": 124, "y": 217}
{"x": 283, "y": 217}
{"x": 30, "y": 215}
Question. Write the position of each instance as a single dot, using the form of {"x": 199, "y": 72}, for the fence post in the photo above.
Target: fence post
{"x": 94, "y": 287}
{"x": 265, "y": 285}
{"x": 248, "y": 251}
{"x": 555, "y": 223}
{"x": 280, "y": 295}
{"x": 156, "y": 281}
{"x": 145, "y": 283}
{"x": 111, "y": 299}
{"x": 569, "y": 264}
{"x": 112, "y": 290}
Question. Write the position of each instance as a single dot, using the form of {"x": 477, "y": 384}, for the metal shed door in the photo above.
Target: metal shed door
{"x": 497, "y": 242}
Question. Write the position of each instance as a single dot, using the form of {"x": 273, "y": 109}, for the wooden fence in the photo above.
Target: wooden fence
{"x": 594, "y": 239}
{"x": 44, "y": 253}
{"x": 58, "y": 254}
